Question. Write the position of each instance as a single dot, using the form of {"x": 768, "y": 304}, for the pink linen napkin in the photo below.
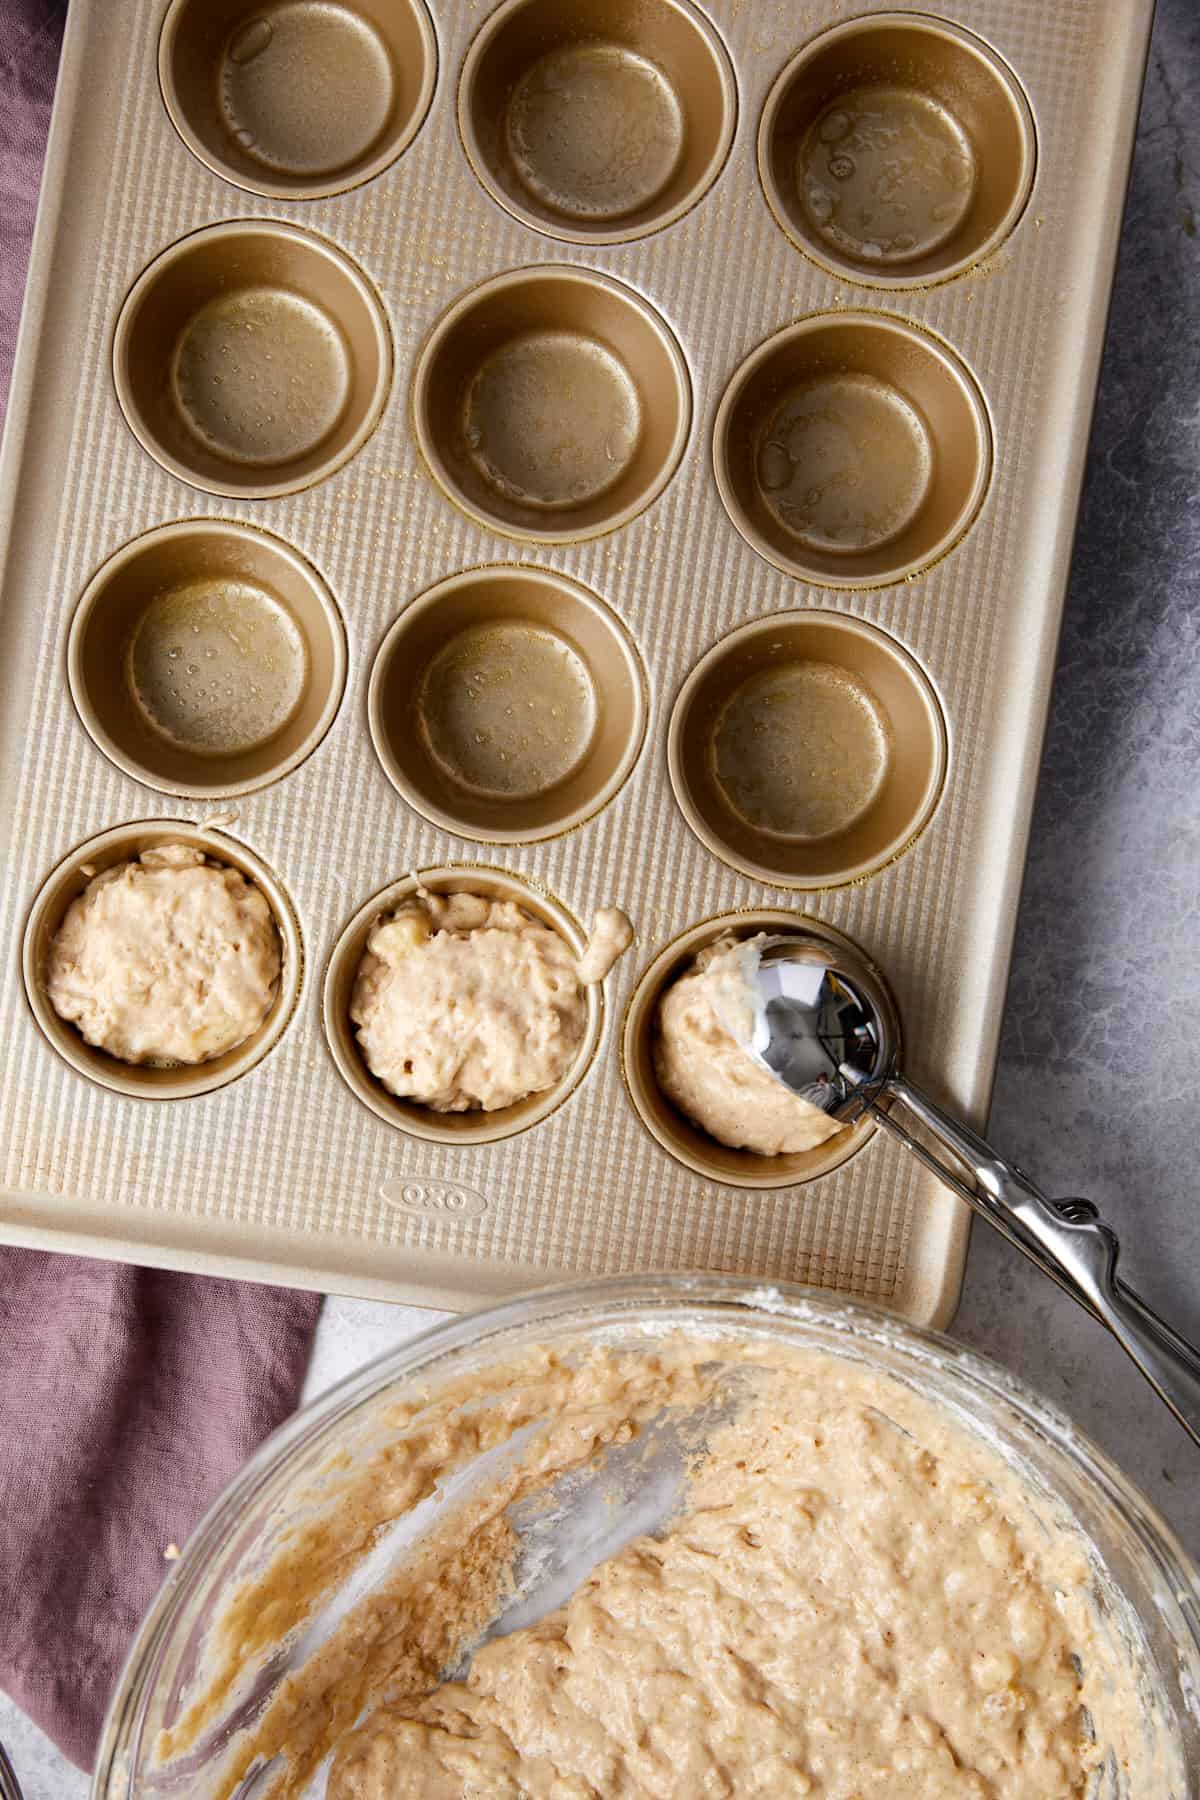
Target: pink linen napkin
{"x": 128, "y": 1397}
{"x": 30, "y": 34}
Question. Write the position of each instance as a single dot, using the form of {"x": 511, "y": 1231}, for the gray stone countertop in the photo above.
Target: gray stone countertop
{"x": 1098, "y": 1091}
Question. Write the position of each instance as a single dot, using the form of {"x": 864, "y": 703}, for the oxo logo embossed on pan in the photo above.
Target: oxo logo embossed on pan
{"x": 437, "y": 1198}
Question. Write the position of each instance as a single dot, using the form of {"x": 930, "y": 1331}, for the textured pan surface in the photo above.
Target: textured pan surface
{"x": 284, "y": 1174}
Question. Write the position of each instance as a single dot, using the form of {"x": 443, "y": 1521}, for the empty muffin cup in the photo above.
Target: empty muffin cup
{"x": 206, "y": 658}
{"x": 507, "y": 704}
{"x": 252, "y": 359}
{"x": 597, "y": 122}
{"x": 807, "y": 750}
{"x": 852, "y": 450}
{"x": 460, "y": 1128}
{"x": 124, "y": 843}
{"x": 552, "y": 404}
{"x": 896, "y": 150}
{"x": 301, "y": 98}
{"x": 676, "y": 1133}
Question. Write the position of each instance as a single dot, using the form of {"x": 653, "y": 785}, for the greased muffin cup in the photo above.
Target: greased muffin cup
{"x": 599, "y": 121}
{"x": 207, "y": 658}
{"x": 507, "y": 704}
{"x": 301, "y": 99}
{"x": 897, "y": 149}
{"x": 454, "y": 1128}
{"x": 631, "y": 445}
{"x": 124, "y": 843}
{"x": 807, "y": 750}
{"x": 552, "y": 404}
{"x": 252, "y": 359}
{"x": 852, "y": 449}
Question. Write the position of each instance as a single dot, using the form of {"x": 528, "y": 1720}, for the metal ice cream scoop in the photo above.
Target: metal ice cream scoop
{"x": 819, "y": 1016}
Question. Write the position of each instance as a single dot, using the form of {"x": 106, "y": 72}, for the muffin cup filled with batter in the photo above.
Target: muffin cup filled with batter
{"x": 208, "y": 964}
{"x": 252, "y": 359}
{"x": 507, "y": 704}
{"x": 807, "y": 749}
{"x": 302, "y": 98}
{"x": 896, "y": 150}
{"x": 463, "y": 1000}
{"x": 207, "y": 658}
{"x": 599, "y": 121}
{"x": 552, "y": 403}
{"x": 852, "y": 450}
{"x": 674, "y": 1049}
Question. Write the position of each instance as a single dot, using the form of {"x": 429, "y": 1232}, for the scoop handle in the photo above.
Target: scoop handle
{"x": 1069, "y": 1241}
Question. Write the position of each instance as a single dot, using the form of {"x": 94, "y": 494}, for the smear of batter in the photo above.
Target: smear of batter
{"x": 861, "y": 1601}
{"x": 611, "y": 936}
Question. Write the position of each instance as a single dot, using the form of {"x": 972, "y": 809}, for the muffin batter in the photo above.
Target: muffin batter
{"x": 171, "y": 958}
{"x": 860, "y": 1601}
{"x": 611, "y": 936}
{"x": 705, "y": 1072}
{"x": 465, "y": 1003}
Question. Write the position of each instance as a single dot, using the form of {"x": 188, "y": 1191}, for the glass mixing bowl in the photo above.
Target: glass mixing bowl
{"x": 1145, "y": 1585}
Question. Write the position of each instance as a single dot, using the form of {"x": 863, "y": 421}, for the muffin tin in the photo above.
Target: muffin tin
{"x": 600, "y": 453}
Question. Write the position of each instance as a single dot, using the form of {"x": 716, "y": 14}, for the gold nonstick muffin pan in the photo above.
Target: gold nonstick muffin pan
{"x": 590, "y": 453}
